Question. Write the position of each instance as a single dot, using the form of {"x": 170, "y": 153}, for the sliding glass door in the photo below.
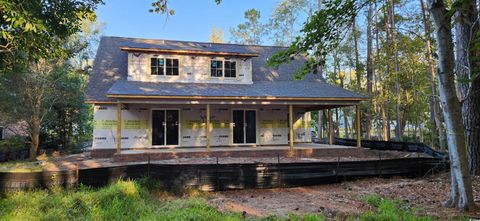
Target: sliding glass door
{"x": 165, "y": 127}
{"x": 244, "y": 127}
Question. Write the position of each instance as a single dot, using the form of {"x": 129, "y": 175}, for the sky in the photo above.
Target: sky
{"x": 193, "y": 19}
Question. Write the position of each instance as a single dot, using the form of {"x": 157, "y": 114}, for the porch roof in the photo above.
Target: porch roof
{"x": 268, "y": 90}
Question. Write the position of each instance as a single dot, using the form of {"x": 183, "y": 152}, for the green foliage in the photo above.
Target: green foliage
{"x": 138, "y": 200}
{"x": 12, "y": 144}
{"x": 32, "y": 30}
{"x": 320, "y": 35}
{"x": 284, "y": 19}
{"x": 252, "y": 31}
{"x": 390, "y": 210}
{"x": 124, "y": 200}
{"x": 161, "y": 7}
{"x": 69, "y": 119}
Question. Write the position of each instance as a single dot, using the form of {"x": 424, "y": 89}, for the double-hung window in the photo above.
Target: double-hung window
{"x": 230, "y": 69}
{"x": 216, "y": 68}
{"x": 164, "y": 66}
{"x": 227, "y": 68}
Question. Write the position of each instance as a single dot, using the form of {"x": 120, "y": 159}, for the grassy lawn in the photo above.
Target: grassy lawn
{"x": 20, "y": 166}
{"x": 142, "y": 200}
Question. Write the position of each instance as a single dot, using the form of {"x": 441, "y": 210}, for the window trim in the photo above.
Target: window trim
{"x": 223, "y": 60}
{"x": 164, "y": 74}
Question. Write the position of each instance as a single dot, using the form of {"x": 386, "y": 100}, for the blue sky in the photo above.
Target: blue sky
{"x": 193, "y": 19}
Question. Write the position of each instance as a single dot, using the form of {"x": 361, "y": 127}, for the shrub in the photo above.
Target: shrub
{"x": 12, "y": 144}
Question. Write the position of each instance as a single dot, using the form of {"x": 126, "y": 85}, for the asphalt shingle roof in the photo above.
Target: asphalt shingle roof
{"x": 109, "y": 74}
{"x": 279, "y": 89}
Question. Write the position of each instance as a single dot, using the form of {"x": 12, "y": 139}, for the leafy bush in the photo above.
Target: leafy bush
{"x": 12, "y": 144}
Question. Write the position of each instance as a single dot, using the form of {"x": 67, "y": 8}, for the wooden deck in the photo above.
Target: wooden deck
{"x": 300, "y": 150}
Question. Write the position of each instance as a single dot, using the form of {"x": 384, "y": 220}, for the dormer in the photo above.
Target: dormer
{"x": 190, "y": 63}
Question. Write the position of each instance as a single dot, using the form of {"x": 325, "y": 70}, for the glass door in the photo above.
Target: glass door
{"x": 172, "y": 127}
{"x": 244, "y": 127}
{"x": 238, "y": 127}
{"x": 158, "y": 127}
{"x": 165, "y": 127}
{"x": 250, "y": 127}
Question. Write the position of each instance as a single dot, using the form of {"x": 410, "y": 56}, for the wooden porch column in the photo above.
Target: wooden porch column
{"x": 359, "y": 132}
{"x": 290, "y": 124}
{"x": 119, "y": 128}
{"x": 208, "y": 127}
{"x": 330, "y": 127}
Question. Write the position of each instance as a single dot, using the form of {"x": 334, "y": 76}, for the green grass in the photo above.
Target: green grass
{"x": 391, "y": 210}
{"x": 145, "y": 200}
{"x": 123, "y": 200}
{"x": 20, "y": 166}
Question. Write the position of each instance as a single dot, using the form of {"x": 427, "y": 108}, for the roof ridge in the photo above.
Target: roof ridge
{"x": 199, "y": 42}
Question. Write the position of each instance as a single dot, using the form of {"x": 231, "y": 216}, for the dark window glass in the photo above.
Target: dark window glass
{"x": 216, "y": 68}
{"x": 172, "y": 67}
{"x": 1, "y": 133}
{"x": 156, "y": 66}
{"x": 230, "y": 69}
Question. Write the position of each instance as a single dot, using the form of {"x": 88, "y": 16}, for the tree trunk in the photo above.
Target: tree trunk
{"x": 320, "y": 125}
{"x": 368, "y": 111}
{"x": 398, "y": 126}
{"x": 387, "y": 72}
{"x": 461, "y": 185}
{"x": 357, "y": 55}
{"x": 337, "y": 123}
{"x": 435, "y": 116}
{"x": 35, "y": 137}
{"x": 466, "y": 27}
{"x": 345, "y": 121}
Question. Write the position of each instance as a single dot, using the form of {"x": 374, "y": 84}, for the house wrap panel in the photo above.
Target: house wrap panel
{"x": 272, "y": 125}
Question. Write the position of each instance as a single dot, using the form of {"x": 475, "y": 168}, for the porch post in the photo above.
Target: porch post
{"x": 208, "y": 127}
{"x": 330, "y": 127}
{"x": 290, "y": 124}
{"x": 359, "y": 132}
{"x": 119, "y": 128}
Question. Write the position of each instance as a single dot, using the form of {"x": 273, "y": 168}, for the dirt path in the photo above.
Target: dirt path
{"x": 343, "y": 199}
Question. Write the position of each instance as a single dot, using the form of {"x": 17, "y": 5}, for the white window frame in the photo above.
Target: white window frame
{"x": 164, "y": 66}
{"x": 223, "y": 68}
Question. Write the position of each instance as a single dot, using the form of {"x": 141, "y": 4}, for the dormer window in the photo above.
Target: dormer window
{"x": 227, "y": 68}
{"x": 216, "y": 68}
{"x": 230, "y": 69}
{"x": 164, "y": 66}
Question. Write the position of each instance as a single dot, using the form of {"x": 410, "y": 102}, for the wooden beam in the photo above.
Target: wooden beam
{"x": 119, "y": 128}
{"x": 290, "y": 124}
{"x": 330, "y": 127}
{"x": 208, "y": 127}
{"x": 359, "y": 129}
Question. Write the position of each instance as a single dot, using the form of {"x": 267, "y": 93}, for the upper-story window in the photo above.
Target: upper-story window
{"x": 216, "y": 68}
{"x": 225, "y": 68}
{"x": 230, "y": 69}
{"x": 164, "y": 66}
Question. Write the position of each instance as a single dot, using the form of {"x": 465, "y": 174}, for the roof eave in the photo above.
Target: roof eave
{"x": 358, "y": 99}
{"x": 187, "y": 52}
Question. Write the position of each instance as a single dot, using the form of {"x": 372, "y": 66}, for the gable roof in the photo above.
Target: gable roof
{"x": 109, "y": 73}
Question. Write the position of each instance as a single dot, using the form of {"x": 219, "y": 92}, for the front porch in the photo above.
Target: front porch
{"x": 273, "y": 153}
{"x": 167, "y": 128}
